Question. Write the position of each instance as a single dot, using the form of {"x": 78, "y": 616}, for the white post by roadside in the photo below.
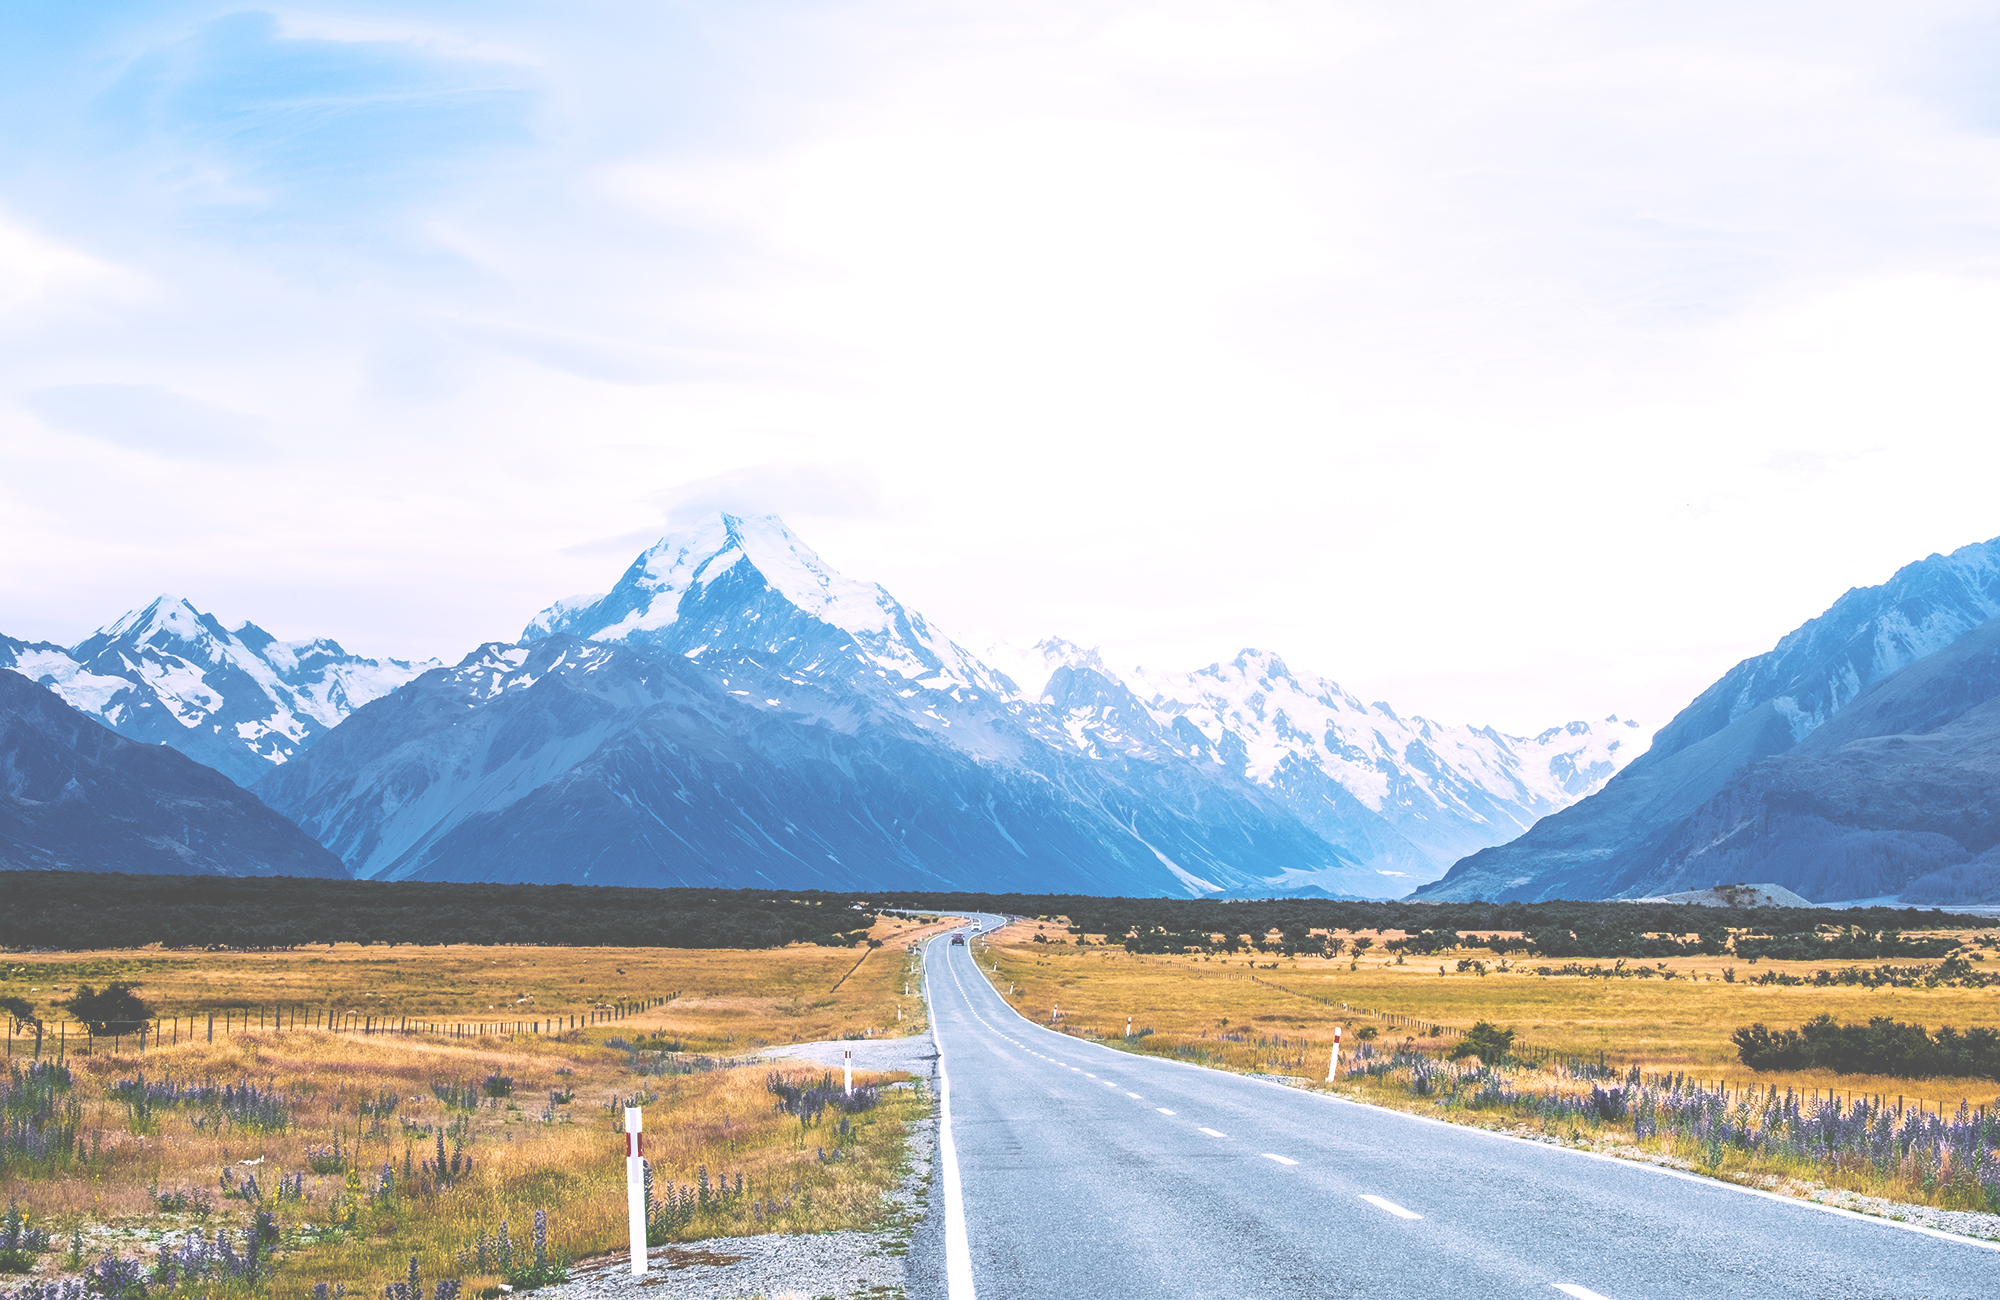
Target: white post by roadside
{"x": 848, "y": 1053}
{"x": 1333, "y": 1066}
{"x": 635, "y": 1187}
{"x": 1128, "y": 1026}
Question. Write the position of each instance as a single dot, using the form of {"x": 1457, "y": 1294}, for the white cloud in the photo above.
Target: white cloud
{"x": 40, "y": 277}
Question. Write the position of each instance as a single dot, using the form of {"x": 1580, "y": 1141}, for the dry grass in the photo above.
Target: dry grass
{"x": 529, "y": 1154}
{"x": 1679, "y": 1024}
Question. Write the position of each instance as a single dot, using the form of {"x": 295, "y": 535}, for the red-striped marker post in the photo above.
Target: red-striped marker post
{"x": 1333, "y": 1066}
{"x": 635, "y": 1186}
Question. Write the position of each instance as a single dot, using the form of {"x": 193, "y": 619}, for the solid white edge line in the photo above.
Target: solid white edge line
{"x": 1635, "y": 1165}
{"x": 1381, "y": 1203}
{"x": 957, "y": 1249}
{"x": 1575, "y": 1292}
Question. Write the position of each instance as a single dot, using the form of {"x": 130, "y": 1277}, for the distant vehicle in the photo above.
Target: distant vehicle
{"x": 958, "y": 940}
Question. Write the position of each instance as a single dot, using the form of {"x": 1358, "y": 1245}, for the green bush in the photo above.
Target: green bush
{"x": 1489, "y": 1043}
{"x": 117, "y": 1010}
{"x": 1882, "y": 1046}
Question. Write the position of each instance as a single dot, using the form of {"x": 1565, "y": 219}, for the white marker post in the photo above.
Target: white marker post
{"x": 635, "y": 1187}
{"x": 1333, "y": 1066}
{"x": 1128, "y": 1026}
{"x": 848, "y": 1053}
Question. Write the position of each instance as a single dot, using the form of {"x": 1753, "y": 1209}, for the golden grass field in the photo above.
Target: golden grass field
{"x": 529, "y": 1153}
{"x": 1276, "y": 1015}
{"x": 1678, "y": 1024}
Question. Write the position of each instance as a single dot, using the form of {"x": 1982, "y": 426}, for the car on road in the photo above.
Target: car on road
{"x": 958, "y": 940}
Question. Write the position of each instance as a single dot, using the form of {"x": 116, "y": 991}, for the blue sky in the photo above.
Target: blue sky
{"x": 1511, "y": 362}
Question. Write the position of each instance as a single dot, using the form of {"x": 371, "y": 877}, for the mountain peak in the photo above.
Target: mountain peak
{"x": 174, "y": 615}
{"x": 646, "y": 599}
{"x": 747, "y": 583}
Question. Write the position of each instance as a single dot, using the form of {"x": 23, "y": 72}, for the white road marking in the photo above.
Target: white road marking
{"x": 1212, "y": 1133}
{"x": 1135, "y": 1096}
{"x": 1107, "y": 1083}
{"x": 957, "y": 1250}
{"x": 1163, "y": 1110}
{"x": 1393, "y": 1208}
{"x": 1283, "y": 1160}
{"x": 1575, "y": 1292}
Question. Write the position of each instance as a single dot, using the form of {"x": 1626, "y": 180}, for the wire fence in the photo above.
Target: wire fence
{"x": 58, "y": 1039}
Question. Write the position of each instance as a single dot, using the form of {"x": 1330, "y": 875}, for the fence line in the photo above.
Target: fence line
{"x": 167, "y": 1031}
{"x": 1394, "y": 1018}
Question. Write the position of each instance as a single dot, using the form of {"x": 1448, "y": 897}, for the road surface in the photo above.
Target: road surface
{"x": 1071, "y": 1169}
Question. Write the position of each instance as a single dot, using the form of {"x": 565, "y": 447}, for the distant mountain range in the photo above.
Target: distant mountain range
{"x": 240, "y": 702}
{"x": 736, "y": 711}
{"x": 76, "y": 796}
{"x": 1851, "y": 761}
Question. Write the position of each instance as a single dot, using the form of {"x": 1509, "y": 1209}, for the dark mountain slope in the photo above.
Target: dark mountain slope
{"x": 567, "y": 760}
{"x": 1762, "y": 707}
{"x": 1903, "y": 783}
{"x": 76, "y": 796}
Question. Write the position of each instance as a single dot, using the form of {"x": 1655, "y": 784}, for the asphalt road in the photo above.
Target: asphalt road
{"x": 1071, "y": 1169}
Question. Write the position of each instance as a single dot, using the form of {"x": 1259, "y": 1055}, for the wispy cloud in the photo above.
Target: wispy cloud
{"x": 145, "y": 417}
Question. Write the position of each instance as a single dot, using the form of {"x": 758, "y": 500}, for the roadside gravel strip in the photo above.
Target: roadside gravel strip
{"x": 781, "y": 1266}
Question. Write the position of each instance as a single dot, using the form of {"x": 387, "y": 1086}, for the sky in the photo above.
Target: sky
{"x": 1512, "y": 362}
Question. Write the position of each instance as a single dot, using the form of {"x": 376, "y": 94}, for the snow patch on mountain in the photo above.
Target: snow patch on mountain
{"x": 693, "y": 582}
{"x": 239, "y": 701}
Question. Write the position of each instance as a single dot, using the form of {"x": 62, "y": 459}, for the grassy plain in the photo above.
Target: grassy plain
{"x": 1285, "y": 1009}
{"x": 384, "y": 1099}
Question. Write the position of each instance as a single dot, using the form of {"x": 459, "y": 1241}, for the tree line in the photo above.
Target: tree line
{"x": 1562, "y": 928}
{"x": 75, "y": 909}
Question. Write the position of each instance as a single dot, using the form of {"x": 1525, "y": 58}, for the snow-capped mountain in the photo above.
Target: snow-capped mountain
{"x": 1408, "y": 796}
{"x": 1395, "y": 800}
{"x": 736, "y": 586}
{"x": 75, "y": 796}
{"x": 611, "y": 762}
{"x": 238, "y": 701}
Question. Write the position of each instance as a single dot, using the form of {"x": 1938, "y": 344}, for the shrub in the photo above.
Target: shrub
{"x": 116, "y": 1010}
{"x": 1882, "y": 1046}
{"x": 1489, "y": 1043}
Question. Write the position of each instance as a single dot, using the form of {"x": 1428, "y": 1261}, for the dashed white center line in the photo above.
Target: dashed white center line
{"x": 1212, "y": 1133}
{"x": 1135, "y": 1096}
{"x": 1164, "y": 1111}
{"x": 1107, "y": 1083}
{"x": 1576, "y": 1292}
{"x": 1283, "y": 1160}
{"x": 1397, "y": 1210}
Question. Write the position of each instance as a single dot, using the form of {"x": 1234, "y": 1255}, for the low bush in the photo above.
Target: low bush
{"x": 1489, "y": 1043}
{"x": 1882, "y": 1046}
